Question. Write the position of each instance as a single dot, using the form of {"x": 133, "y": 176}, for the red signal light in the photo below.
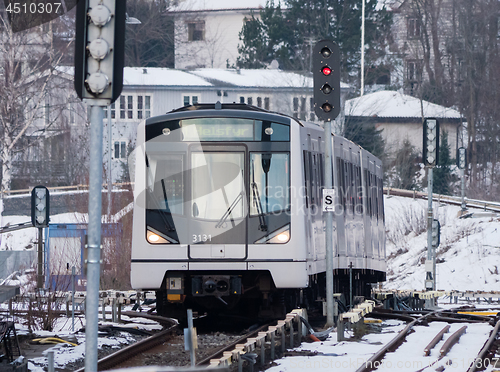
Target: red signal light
{"x": 326, "y": 70}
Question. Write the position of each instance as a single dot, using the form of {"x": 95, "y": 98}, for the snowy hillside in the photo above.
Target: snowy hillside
{"x": 468, "y": 257}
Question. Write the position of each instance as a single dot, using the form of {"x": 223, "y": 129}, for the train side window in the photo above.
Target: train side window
{"x": 358, "y": 191}
{"x": 311, "y": 179}
{"x": 381, "y": 199}
{"x": 373, "y": 190}
{"x": 352, "y": 188}
{"x": 368, "y": 192}
{"x": 306, "y": 177}
{"x": 341, "y": 177}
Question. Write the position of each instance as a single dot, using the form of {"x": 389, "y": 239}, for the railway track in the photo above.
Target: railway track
{"x": 166, "y": 347}
{"x": 437, "y": 341}
{"x": 125, "y": 354}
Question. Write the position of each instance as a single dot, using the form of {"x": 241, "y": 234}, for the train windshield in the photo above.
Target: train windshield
{"x": 217, "y": 181}
{"x": 269, "y": 183}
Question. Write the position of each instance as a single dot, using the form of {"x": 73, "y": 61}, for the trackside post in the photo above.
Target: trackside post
{"x": 326, "y": 73}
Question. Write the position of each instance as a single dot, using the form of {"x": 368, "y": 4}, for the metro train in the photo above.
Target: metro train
{"x": 228, "y": 217}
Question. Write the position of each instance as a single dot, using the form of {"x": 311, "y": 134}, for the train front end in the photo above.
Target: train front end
{"x": 213, "y": 212}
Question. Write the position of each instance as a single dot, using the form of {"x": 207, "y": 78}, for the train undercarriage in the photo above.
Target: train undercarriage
{"x": 253, "y": 294}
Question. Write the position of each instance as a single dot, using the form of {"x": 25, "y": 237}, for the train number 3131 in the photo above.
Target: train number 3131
{"x": 201, "y": 238}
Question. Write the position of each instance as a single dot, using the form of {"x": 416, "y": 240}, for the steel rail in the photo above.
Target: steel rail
{"x": 435, "y": 340}
{"x": 370, "y": 364}
{"x": 452, "y": 340}
{"x": 219, "y": 353}
{"x": 122, "y": 355}
{"x": 479, "y": 361}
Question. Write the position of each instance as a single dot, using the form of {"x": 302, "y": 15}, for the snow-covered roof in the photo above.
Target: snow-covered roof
{"x": 155, "y": 76}
{"x": 152, "y": 76}
{"x": 391, "y": 104}
{"x": 201, "y": 5}
{"x": 255, "y": 78}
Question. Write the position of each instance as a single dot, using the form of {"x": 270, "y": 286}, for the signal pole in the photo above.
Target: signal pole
{"x": 99, "y": 55}
{"x": 462, "y": 164}
{"x": 430, "y": 158}
{"x": 326, "y": 74}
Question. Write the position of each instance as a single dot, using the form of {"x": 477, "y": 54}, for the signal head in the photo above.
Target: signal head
{"x": 326, "y": 71}
{"x": 326, "y": 80}
{"x": 326, "y": 52}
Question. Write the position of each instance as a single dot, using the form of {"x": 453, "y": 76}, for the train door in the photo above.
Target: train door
{"x": 218, "y": 202}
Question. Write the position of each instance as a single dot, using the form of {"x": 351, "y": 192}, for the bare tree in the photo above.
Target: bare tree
{"x": 151, "y": 43}
{"x": 34, "y": 94}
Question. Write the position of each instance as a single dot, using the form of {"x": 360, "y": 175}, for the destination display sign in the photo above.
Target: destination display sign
{"x": 218, "y": 132}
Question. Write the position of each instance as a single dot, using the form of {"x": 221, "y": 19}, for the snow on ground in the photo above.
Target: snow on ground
{"x": 354, "y": 353}
{"x": 468, "y": 257}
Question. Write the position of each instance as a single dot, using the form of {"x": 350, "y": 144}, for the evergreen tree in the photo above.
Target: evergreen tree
{"x": 288, "y": 36}
{"x": 442, "y": 176}
{"x": 405, "y": 168}
{"x": 364, "y": 133}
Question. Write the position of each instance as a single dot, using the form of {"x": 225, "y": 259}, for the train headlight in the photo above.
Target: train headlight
{"x": 279, "y": 236}
{"x": 155, "y": 237}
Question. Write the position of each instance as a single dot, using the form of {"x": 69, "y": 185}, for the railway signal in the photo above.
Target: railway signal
{"x": 430, "y": 155}
{"x": 461, "y": 158}
{"x": 99, "y": 49}
{"x": 436, "y": 233}
{"x": 431, "y": 142}
{"x": 40, "y": 206}
{"x": 326, "y": 73}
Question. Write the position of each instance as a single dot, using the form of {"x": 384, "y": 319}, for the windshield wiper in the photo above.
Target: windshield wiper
{"x": 229, "y": 210}
{"x": 258, "y": 203}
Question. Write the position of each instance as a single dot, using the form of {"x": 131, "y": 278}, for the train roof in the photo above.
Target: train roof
{"x": 237, "y": 110}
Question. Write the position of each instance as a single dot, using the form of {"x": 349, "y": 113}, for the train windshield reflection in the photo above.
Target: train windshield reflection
{"x": 270, "y": 183}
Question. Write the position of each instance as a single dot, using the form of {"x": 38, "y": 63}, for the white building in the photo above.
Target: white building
{"x": 401, "y": 116}
{"x": 207, "y": 31}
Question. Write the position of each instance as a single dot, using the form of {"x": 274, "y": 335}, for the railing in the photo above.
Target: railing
{"x": 455, "y": 200}
{"x": 63, "y": 188}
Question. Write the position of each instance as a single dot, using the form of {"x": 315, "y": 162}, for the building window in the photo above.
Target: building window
{"x": 242, "y": 99}
{"x": 303, "y": 107}
{"x": 140, "y": 107}
{"x": 413, "y": 71}
{"x": 266, "y": 103}
{"x": 259, "y": 101}
{"x": 130, "y": 107}
{"x": 250, "y": 100}
{"x": 147, "y": 108}
{"x": 143, "y": 107}
{"x": 413, "y": 28}
{"x": 189, "y": 100}
{"x": 196, "y": 31}
{"x": 122, "y": 107}
{"x": 120, "y": 149}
